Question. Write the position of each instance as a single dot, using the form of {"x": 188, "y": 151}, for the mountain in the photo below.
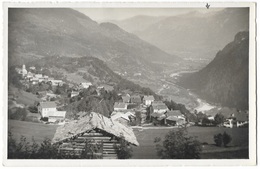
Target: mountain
{"x": 194, "y": 34}
{"x": 47, "y": 32}
{"x": 225, "y": 79}
{"x": 137, "y": 23}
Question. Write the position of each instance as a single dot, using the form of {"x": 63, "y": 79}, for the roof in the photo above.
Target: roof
{"x": 150, "y": 97}
{"x": 126, "y": 98}
{"x": 120, "y": 105}
{"x": 172, "y": 118}
{"x": 241, "y": 116}
{"x": 57, "y": 113}
{"x": 156, "y": 114}
{"x": 120, "y": 115}
{"x": 136, "y": 98}
{"x": 174, "y": 113}
{"x": 160, "y": 106}
{"x": 48, "y": 104}
{"x": 94, "y": 121}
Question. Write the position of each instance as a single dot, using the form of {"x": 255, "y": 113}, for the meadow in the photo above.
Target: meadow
{"x": 238, "y": 148}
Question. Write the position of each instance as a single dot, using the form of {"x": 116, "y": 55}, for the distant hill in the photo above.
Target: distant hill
{"x": 91, "y": 69}
{"x": 137, "y": 23}
{"x": 191, "y": 35}
{"x": 225, "y": 79}
{"x": 47, "y": 32}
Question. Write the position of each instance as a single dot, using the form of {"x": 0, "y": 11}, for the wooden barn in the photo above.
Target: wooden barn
{"x": 93, "y": 134}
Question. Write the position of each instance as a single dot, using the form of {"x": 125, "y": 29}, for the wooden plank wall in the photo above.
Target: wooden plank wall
{"x": 101, "y": 145}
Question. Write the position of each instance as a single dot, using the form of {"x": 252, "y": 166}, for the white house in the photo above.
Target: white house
{"x": 56, "y": 82}
{"x": 45, "y": 107}
{"x": 48, "y": 110}
{"x": 148, "y": 100}
{"x": 85, "y": 85}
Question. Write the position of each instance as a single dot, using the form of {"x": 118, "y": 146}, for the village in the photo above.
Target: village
{"x": 130, "y": 111}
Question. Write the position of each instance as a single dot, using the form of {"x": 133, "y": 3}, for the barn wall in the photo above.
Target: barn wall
{"x": 99, "y": 145}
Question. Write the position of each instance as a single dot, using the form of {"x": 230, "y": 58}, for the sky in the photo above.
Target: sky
{"x": 106, "y": 14}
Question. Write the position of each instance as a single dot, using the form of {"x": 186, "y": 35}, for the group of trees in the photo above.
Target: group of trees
{"x": 224, "y": 139}
{"x": 178, "y": 145}
{"x": 175, "y": 106}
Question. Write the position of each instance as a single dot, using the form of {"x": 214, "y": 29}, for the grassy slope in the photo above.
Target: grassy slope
{"x": 24, "y": 97}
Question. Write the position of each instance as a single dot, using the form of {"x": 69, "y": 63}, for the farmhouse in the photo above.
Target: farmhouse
{"x": 56, "y": 82}
{"x": 159, "y": 107}
{"x": 126, "y": 98}
{"x": 48, "y": 110}
{"x": 135, "y": 99}
{"x": 45, "y": 107}
{"x": 74, "y": 93}
{"x": 175, "y": 118}
{"x": 85, "y": 85}
{"x": 148, "y": 100}
{"x": 119, "y": 106}
{"x": 93, "y": 131}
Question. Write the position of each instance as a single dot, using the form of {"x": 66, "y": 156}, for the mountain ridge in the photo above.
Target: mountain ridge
{"x": 225, "y": 79}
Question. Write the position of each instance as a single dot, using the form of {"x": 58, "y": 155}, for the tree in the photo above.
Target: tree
{"x": 219, "y": 119}
{"x": 226, "y": 139}
{"x": 218, "y": 139}
{"x": 123, "y": 149}
{"x": 178, "y": 145}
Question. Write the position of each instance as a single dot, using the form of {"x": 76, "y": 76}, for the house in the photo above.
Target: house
{"x": 38, "y": 76}
{"x": 175, "y": 118}
{"x": 126, "y": 98}
{"x": 158, "y": 118}
{"x": 237, "y": 119}
{"x": 56, "y": 116}
{"x": 159, "y": 107}
{"x": 118, "y": 106}
{"x": 48, "y": 110}
{"x": 45, "y": 107}
{"x": 56, "y": 82}
{"x": 32, "y": 68}
{"x": 85, "y": 85}
{"x": 98, "y": 131}
{"x": 74, "y": 93}
{"x": 148, "y": 100}
{"x": 136, "y": 99}
{"x": 241, "y": 119}
{"x": 34, "y": 80}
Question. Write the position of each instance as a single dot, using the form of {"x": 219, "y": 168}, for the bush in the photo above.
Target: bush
{"x": 226, "y": 139}
{"x": 123, "y": 150}
{"x": 218, "y": 139}
{"x": 178, "y": 145}
{"x": 222, "y": 138}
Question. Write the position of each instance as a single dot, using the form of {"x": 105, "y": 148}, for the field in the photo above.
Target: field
{"x": 146, "y": 150}
{"x": 237, "y": 148}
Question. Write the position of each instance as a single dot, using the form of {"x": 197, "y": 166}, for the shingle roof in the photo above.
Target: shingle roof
{"x": 48, "y": 104}
{"x": 120, "y": 105}
{"x": 240, "y": 116}
{"x": 94, "y": 121}
{"x": 150, "y": 97}
{"x": 174, "y": 113}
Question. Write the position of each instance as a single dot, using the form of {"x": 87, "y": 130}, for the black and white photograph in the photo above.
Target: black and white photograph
{"x": 130, "y": 82}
